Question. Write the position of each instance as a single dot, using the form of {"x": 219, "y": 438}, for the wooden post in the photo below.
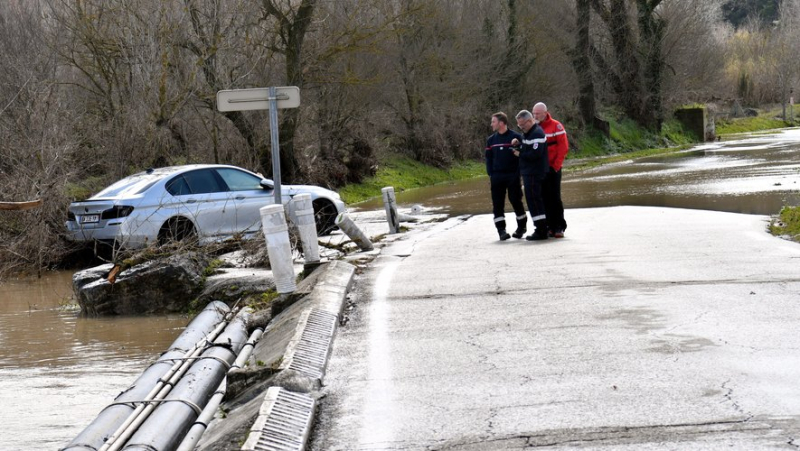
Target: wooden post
{"x": 17, "y": 206}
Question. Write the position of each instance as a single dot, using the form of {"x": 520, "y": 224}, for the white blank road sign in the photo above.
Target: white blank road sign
{"x": 257, "y": 98}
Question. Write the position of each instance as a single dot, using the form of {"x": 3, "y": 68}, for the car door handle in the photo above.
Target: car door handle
{"x": 191, "y": 201}
{"x": 239, "y": 197}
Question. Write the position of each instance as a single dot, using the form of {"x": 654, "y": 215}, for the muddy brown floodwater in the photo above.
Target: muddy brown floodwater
{"x": 57, "y": 371}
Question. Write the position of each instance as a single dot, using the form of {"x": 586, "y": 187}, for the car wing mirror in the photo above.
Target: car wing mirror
{"x": 267, "y": 184}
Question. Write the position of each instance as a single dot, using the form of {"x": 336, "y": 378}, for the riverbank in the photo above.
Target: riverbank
{"x": 404, "y": 173}
{"x": 626, "y": 140}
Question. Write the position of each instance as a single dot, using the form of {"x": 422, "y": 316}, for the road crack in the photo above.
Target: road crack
{"x": 736, "y": 406}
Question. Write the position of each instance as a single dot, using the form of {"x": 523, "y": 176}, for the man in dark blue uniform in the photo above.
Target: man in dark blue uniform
{"x": 502, "y": 165}
{"x": 533, "y": 165}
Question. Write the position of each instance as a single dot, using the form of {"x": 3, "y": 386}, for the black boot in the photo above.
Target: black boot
{"x": 540, "y": 233}
{"x": 521, "y": 228}
{"x": 503, "y": 235}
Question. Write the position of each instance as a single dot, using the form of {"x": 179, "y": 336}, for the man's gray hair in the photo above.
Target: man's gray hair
{"x": 524, "y": 114}
{"x": 541, "y": 106}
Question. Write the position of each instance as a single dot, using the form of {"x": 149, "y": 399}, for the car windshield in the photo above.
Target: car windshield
{"x": 134, "y": 184}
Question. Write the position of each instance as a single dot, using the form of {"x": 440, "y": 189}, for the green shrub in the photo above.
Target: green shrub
{"x": 787, "y": 223}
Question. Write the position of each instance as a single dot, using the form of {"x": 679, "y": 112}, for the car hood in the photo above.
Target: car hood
{"x": 318, "y": 190}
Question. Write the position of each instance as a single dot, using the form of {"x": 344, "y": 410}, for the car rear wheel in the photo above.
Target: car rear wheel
{"x": 325, "y": 216}
{"x": 176, "y": 229}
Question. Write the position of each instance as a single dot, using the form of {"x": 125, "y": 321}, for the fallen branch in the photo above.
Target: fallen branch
{"x": 15, "y": 206}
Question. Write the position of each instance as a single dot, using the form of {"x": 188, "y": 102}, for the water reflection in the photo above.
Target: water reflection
{"x": 757, "y": 175}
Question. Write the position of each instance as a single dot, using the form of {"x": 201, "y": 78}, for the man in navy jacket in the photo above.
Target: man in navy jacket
{"x": 533, "y": 165}
{"x": 502, "y": 165}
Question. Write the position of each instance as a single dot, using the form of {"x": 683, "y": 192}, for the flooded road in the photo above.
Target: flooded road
{"x": 757, "y": 175}
{"x": 57, "y": 371}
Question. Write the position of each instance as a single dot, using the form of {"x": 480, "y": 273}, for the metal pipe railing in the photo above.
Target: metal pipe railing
{"x": 115, "y": 414}
{"x": 168, "y": 422}
{"x": 201, "y": 424}
{"x": 117, "y": 440}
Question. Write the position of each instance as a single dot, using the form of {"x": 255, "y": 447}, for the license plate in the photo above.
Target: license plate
{"x": 88, "y": 219}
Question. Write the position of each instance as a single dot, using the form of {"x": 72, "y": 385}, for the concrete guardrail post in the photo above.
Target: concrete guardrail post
{"x": 390, "y": 204}
{"x": 279, "y": 249}
{"x": 350, "y": 229}
{"x": 303, "y": 211}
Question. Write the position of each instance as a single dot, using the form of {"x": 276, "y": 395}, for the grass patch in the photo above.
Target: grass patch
{"x": 627, "y": 140}
{"x": 264, "y": 301}
{"x": 787, "y": 223}
{"x": 212, "y": 268}
{"x": 404, "y": 173}
{"x": 749, "y": 124}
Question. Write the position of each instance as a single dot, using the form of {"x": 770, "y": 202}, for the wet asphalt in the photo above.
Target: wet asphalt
{"x": 645, "y": 328}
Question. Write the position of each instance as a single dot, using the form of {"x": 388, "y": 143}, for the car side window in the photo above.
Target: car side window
{"x": 203, "y": 181}
{"x": 239, "y": 180}
{"x": 178, "y": 186}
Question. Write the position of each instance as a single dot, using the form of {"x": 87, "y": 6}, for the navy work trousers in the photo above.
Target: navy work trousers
{"x": 533, "y": 195}
{"x": 553, "y": 206}
{"x": 502, "y": 184}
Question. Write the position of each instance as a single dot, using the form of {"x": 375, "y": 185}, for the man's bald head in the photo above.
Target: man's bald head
{"x": 539, "y": 112}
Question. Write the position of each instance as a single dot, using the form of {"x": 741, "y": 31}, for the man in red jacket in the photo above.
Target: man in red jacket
{"x": 557, "y": 148}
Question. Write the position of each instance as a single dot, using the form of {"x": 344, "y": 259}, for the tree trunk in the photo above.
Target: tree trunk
{"x": 651, "y": 32}
{"x": 583, "y": 65}
{"x": 637, "y": 82}
{"x": 293, "y": 29}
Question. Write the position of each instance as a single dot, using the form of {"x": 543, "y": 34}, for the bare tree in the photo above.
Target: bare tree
{"x": 37, "y": 145}
{"x": 786, "y": 59}
{"x": 694, "y": 49}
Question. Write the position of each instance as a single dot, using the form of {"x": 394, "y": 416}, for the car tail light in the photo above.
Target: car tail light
{"x": 119, "y": 211}
{"x": 70, "y": 216}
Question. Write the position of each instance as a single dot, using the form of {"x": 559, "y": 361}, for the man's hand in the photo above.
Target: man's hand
{"x": 515, "y": 142}
{"x": 516, "y": 152}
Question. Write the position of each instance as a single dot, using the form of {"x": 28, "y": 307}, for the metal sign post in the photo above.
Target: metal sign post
{"x": 276, "y": 154}
{"x": 271, "y": 99}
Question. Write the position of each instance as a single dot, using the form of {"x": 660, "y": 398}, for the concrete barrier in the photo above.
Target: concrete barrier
{"x": 390, "y": 205}
{"x": 350, "y": 229}
{"x": 276, "y": 233}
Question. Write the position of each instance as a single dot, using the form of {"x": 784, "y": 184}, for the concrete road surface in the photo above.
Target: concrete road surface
{"x": 645, "y": 328}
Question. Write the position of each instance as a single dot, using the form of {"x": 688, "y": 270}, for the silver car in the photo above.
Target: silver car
{"x": 208, "y": 202}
